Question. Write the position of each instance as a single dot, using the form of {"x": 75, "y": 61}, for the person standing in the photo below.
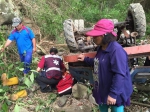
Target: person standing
{"x": 51, "y": 69}
{"x": 25, "y": 40}
{"x": 112, "y": 80}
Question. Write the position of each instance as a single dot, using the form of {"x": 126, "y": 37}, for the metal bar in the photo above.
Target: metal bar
{"x": 138, "y": 51}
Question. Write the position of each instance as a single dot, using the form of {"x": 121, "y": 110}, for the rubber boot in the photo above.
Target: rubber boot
{"x": 10, "y": 81}
{"x": 20, "y": 94}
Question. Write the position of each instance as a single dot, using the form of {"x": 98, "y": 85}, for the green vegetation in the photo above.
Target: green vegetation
{"x": 148, "y": 23}
{"x": 49, "y": 15}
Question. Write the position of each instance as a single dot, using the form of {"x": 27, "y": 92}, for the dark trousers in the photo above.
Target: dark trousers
{"x": 66, "y": 92}
{"x": 44, "y": 81}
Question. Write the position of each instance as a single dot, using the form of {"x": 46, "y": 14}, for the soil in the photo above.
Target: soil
{"x": 42, "y": 102}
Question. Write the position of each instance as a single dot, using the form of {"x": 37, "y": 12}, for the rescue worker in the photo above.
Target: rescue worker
{"x": 50, "y": 68}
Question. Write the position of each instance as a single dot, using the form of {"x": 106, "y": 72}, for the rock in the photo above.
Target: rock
{"x": 32, "y": 107}
{"x": 73, "y": 105}
{"x": 79, "y": 91}
{"x": 35, "y": 87}
{"x": 62, "y": 101}
{"x": 92, "y": 99}
{"x": 23, "y": 110}
{"x": 77, "y": 102}
{"x": 7, "y": 11}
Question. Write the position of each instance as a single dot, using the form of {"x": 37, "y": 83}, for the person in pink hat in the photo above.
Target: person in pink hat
{"x": 112, "y": 81}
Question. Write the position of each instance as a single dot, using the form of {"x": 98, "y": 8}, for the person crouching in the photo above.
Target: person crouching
{"x": 50, "y": 69}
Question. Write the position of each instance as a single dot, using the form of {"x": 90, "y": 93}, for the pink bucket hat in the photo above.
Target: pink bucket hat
{"x": 102, "y": 27}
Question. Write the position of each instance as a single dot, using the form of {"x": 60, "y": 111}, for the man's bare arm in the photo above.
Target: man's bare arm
{"x": 6, "y": 45}
{"x": 34, "y": 44}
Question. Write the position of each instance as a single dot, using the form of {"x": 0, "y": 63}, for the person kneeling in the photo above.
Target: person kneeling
{"x": 50, "y": 69}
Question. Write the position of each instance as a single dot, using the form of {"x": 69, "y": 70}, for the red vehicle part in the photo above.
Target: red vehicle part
{"x": 82, "y": 72}
{"x": 134, "y": 51}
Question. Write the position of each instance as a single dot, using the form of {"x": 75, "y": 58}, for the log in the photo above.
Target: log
{"x": 142, "y": 104}
{"x": 59, "y": 44}
{"x": 39, "y": 47}
{"x": 143, "y": 88}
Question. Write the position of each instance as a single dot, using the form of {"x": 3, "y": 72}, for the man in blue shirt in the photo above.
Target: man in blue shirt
{"x": 25, "y": 40}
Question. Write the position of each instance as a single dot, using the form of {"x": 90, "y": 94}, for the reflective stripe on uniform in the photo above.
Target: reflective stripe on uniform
{"x": 53, "y": 68}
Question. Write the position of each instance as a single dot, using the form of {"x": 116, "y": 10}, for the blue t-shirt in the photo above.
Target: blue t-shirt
{"x": 23, "y": 39}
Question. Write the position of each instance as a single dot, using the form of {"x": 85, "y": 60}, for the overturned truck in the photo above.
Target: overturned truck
{"x": 78, "y": 42}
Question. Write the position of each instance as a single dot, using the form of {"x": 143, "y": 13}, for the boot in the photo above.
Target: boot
{"x": 20, "y": 94}
{"x": 10, "y": 81}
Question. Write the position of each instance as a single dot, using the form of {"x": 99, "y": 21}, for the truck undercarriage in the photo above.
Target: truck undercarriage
{"x": 78, "y": 42}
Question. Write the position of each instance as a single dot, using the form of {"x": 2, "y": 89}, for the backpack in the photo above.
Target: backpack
{"x": 64, "y": 86}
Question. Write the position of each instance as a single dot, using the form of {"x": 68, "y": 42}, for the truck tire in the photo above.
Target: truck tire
{"x": 69, "y": 27}
{"x": 114, "y": 21}
{"x": 137, "y": 20}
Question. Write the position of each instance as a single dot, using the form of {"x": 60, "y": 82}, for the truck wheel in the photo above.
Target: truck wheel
{"x": 114, "y": 21}
{"x": 136, "y": 19}
{"x": 69, "y": 27}
{"x": 70, "y": 32}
